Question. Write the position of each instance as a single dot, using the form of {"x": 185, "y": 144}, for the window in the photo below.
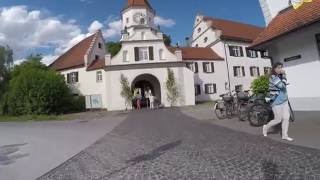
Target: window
{"x": 142, "y": 21}
{"x": 210, "y": 88}
{"x": 72, "y": 77}
{"x": 193, "y": 67}
{"x": 267, "y": 70}
{"x": 208, "y": 67}
{"x": 264, "y": 54}
{"x": 318, "y": 42}
{"x": 238, "y": 88}
{"x": 99, "y": 76}
{"x": 161, "y": 54}
{"x": 236, "y": 51}
{"x": 96, "y": 57}
{"x": 252, "y": 53}
{"x": 205, "y": 39}
{"x": 143, "y": 54}
{"x": 238, "y": 71}
{"x": 254, "y": 71}
{"x": 143, "y": 35}
{"x": 125, "y": 56}
{"x": 127, "y": 20}
{"x": 100, "y": 46}
{"x": 199, "y": 30}
{"x": 197, "y": 45}
{"x": 197, "y": 90}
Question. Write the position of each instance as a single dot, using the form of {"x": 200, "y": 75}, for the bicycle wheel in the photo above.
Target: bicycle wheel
{"x": 259, "y": 115}
{"x": 243, "y": 113}
{"x": 220, "y": 110}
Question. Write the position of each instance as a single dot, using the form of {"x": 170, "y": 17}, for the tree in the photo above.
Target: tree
{"x": 172, "y": 88}
{"x": 6, "y": 62}
{"x": 126, "y": 91}
{"x": 260, "y": 85}
{"x": 167, "y": 40}
{"x": 113, "y": 48}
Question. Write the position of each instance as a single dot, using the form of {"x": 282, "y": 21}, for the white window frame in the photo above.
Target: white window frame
{"x": 237, "y": 51}
{"x": 125, "y": 56}
{"x": 99, "y": 76}
{"x": 255, "y": 71}
{"x": 211, "y": 88}
{"x": 252, "y": 53}
{"x": 208, "y": 67}
{"x": 143, "y": 54}
{"x": 239, "y": 71}
{"x": 73, "y": 77}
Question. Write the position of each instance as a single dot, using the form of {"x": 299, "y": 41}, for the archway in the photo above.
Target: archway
{"x": 145, "y": 82}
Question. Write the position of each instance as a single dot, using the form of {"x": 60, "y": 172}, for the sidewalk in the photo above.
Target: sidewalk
{"x": 305, "y": 130}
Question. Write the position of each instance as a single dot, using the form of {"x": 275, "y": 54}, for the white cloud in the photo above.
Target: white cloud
{"x": 113, "y": 29}
{"x": 164, "y": 21}
{"x": 95, "y": 25}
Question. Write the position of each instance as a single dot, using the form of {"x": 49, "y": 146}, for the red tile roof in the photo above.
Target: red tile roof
{"x": 74, "y": 57}
{"x": 232, "y": 30}
{"x": 96, "y": 64}
{"x": 192, "y": 53}
{"x": 290, "y": 20}
{"x": 139, "y": 3}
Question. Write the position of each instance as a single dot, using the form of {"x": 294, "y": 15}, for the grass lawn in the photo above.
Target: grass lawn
{"x": 36, "y": 118}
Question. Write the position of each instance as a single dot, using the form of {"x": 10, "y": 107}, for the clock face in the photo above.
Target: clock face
{"x": 138, "y": 17}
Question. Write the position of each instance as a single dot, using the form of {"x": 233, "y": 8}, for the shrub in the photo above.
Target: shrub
{"x": 260, "y": 85}
{"x": 37, "y": 91}
{"x": 172, "y": 88}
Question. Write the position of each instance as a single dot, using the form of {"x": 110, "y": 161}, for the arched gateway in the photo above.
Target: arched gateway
{"x": 144, "y": 82}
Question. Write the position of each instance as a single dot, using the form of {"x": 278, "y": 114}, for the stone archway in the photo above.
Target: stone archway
{"x": 148, "y": 81}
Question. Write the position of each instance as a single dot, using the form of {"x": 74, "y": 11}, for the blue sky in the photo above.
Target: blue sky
{"x": 78, "y": 15}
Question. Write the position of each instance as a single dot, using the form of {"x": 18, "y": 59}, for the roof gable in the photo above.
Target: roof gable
{"x": 289, "y": 20}
{"x": 192, "y": 53}
{"x": 139, "y": 3}
{"x": 232, "y": 30}
{"x": 74, "y": 57}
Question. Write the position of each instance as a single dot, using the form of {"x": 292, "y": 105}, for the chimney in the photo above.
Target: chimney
{"x": 187, "y": 41}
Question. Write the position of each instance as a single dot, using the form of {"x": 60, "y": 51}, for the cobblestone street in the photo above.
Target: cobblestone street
{"x": 167, "y": 144}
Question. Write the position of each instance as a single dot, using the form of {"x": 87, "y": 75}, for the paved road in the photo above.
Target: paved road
{"x": 30, "y": 149}
{"x": 167, "y": 144}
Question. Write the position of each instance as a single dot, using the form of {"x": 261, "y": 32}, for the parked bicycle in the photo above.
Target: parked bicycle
{"x": 243, "y": 104}
{"x": 227, "y": 107}
{"x": 261, "y": 113}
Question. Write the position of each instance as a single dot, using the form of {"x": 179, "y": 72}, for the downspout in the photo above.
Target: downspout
{"x": 226, "y": 56}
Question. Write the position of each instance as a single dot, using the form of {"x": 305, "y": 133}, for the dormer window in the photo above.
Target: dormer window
{"x": 205, "y": 39}
{"x": 199, "y": 30}
{"x": 100, "y": 46}
{"x": 142, "y": 21}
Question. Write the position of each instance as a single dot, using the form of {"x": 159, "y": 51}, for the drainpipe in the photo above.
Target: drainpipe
{"x": 226, "y": 56}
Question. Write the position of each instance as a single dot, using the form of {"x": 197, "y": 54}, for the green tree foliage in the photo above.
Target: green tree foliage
{"x": 6, "y": 62}
{"x": 113, "y": 48}
{"x": 167, "y": 40}
{"x": 35, "y": 89}
{"x": 260, "y": 85}
{"x": 172, "y": 88}
{"x": 126, "y": 91}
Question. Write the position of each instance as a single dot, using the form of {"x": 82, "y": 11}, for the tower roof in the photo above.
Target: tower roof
{"x": 139, "y": 3}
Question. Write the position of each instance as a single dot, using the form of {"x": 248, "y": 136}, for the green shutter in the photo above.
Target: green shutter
{"x": 196, "y": 67}
{"x": 136, "y": 53}
{"x": 151, "y": 56}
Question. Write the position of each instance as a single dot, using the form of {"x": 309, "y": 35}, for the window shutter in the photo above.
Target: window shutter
{"x": 196, "y": 67}
{"x": 214, "y": 88}
{"x": 206, "y": 88}
{"x": 77, "y": 76}
{"x": 199, "y": 89}
{"x": 204, "y": 67}
{"x": 68, "y": 78}
{"x": 231, "y": 51}
{"x": 258, "y": 71}
{"x": 251, "y": 71}
{"x": 235, "y": 71}
{"x": 257, "y": 54}
{"x": 241, "y": 51}
{"x": 151, "y": 57}
{"x": 243, "y": 71}
{"x": 212, "y": 67}
{"x": 136, "y": 53}
{"x": 248, "y": 53}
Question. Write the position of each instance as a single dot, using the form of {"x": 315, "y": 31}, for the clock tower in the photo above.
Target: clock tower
{"x": 137, "y": 13}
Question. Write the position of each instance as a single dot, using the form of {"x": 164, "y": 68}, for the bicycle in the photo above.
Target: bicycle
{"x": 261, "y": 112}
{"x": 226, "y": 107}
{"x": 244, "y": 102}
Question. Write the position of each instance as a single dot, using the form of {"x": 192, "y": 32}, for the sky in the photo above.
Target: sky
{"x": 51, "y": 27}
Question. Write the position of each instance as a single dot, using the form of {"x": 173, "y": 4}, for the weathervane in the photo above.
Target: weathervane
{"x": 298, "y": 3}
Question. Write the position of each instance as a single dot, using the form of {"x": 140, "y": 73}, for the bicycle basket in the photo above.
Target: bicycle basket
{"x": 227, "y": 98}
{"x": 220, "y": 105}
{"x": 243, "y": 96}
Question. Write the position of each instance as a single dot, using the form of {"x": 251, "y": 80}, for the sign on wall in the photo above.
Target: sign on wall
{"x": 94, "y": 102}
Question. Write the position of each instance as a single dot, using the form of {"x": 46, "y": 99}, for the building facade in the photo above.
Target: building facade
{"x": 293, "y": 38}
{"x": 231, "y": 40}
{"x": 271, "y": 8}
{"x": 212, "y": 67}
